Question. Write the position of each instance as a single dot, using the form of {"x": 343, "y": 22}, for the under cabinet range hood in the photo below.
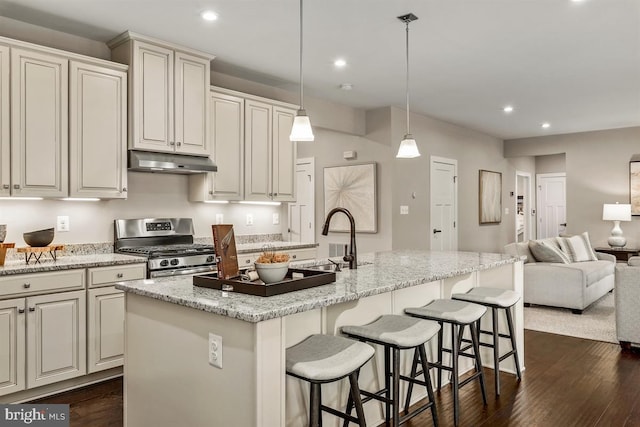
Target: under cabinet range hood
{"x": 145, "y": 161}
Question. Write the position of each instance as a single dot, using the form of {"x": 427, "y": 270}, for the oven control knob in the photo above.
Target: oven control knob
{"x": 164, "y": 263}
{"x": 210, "y": 258}
{"x": 175, "y": 261}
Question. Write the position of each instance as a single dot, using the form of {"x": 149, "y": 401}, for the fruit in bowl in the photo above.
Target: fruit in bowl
{"x": 272, "y": 267}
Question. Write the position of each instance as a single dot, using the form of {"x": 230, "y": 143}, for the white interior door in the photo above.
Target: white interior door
{"x": 444, "y": 195}
{"x": 552, "y": 204}
{"x": 523, "y": 208}
{"x": 301, "y": 213}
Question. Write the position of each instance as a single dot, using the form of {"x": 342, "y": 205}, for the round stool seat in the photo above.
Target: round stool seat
{"x": 327, "y": 357}
{"x": 490, "y": 296}
{"x": 447, "y": 310}
{"x": 399, "y": 331}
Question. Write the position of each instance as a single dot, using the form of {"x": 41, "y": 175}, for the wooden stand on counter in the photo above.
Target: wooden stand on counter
{"x": 36, "y": 252}
{"x": 3, "y": 250}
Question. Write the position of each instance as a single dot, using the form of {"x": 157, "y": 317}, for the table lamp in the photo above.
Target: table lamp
{"x": 616, "y": 213}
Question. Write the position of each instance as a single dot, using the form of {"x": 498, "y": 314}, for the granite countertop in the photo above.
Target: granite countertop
{"x": 381, "y": 272}
{"x": 246, "y": 248}
{"x": 67, "y": 263}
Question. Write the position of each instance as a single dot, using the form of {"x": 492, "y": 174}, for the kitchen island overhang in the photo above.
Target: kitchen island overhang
{"x": 168, "y": 378}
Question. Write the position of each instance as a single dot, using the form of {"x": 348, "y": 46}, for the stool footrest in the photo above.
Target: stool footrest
{"x": 471, "y": 378}
{"x": 504, "y": 356}
{"x": 378, "y": 395}
{"x": 491, "y": 333}
{"x": 339, "y": 414}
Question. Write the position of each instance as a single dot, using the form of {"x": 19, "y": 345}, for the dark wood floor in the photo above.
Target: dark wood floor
{"x": 568, "y": 382}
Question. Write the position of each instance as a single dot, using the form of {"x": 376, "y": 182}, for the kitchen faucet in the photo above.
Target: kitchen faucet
{"x": 352, "y": 258}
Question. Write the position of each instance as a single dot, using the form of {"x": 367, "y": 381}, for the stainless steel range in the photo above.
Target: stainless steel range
{"x": 167, "y": 243}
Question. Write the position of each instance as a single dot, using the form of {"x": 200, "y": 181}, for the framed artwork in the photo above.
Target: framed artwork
{"x": 634, "y": 186}
{"x": 352, "y": 187}
{"x": 490, "y": 197}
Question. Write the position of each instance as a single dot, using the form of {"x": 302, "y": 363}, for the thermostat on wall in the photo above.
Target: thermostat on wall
{"x": 349, "y": 155}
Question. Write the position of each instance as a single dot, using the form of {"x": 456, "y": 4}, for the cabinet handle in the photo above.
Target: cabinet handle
{"x": 124, "y": 189}
{"x": 172, "y": 143}
{"x": 178, "y": 143}
{"x": 275, "y": 194}
{"x": 248, "y": 261}
{"x": 270, "y": 194}
{"x": 5, "y": 186}
{"x": 211, "y": 192}
{"x": 21, "y": 310}
{"x": 16, "y": 186}
{"x": 32, "y": 309}
{"x": 294, "y": 256}
{"x": 26, "y": 285}
{"x": 119, "y": 275}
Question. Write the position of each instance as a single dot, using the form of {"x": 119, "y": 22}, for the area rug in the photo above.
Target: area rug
{"x": 597, "y": 322}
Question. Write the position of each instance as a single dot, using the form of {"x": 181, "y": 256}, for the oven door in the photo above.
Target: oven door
{"x": 182, "y": 271}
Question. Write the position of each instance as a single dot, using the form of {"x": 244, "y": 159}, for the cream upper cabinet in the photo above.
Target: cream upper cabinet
{"x": 12, "y": 343}
{"x": 5, "y": 137}
{"x": 97, "y": 131}
{"x": 169, "y": 89}
{"x": 39, "y": 124}
{"x": 226, "y": 115}
{"x": 56, "y": 337}
{"x": 269, "y": 155}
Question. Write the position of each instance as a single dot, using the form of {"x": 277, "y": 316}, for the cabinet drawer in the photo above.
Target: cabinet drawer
{"x": 247, "y": 260}
{"x": 118, "y": 273}
{"x": 301, "y": 254}
{"x": 29, "y": 284}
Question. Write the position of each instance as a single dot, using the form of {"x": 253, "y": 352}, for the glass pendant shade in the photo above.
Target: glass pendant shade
{"x": 301, "y": 129}
{"x": 408, "y": 148}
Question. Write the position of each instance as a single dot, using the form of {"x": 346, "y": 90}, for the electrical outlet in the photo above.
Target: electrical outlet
{"x": 404, "y": 210}
{"x": 249, "y": 219}
{"x": 215, "y": 350}
{"x": 276, "y": 218}
{"x": 63, "y": 223}
{"x": 219, "y": 218}
{"x": 506, "y": 211}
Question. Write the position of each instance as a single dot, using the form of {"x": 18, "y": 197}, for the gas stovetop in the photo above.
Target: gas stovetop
{"x": 169, "y": 250}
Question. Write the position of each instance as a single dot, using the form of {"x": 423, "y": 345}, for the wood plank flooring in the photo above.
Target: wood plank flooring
{"x": 568, "y": 382}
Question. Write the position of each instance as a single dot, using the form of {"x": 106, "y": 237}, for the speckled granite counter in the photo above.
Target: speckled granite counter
{"x": 383, "y": 272}
{"x": 67, "y": 263}
{"x": 246, "y": 248}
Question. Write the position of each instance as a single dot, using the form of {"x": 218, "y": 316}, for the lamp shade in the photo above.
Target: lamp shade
{"x": 408, "y": 148}
{"x": 301, "y": 129}
{"x": 617, "y": 212}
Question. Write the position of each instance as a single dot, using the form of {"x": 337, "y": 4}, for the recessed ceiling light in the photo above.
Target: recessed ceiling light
{"x": 346, "y": 86}
{"x": 508, "y": 109}
{"x": 546, "y": 125}
{"x": 209, "y": 15}
{"x": 340, "y": 63}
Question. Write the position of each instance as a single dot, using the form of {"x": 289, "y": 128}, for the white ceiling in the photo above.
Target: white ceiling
{"x": 573, "y": 64}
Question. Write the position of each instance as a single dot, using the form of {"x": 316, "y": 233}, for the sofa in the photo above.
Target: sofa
{"x": 572, "y": 285}
{"x": 627, "y": 300}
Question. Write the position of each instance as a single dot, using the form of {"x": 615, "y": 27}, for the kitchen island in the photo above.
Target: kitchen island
{"x": 168, "y": 378}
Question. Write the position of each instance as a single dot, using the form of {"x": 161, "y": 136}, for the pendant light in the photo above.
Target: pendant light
{"x": 301, "y": 129}
{"x": 408, "y": 148}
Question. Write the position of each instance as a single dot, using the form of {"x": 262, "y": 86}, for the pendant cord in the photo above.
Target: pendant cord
{"x": 407, "y": 88}
{"x": 301, "y": 81}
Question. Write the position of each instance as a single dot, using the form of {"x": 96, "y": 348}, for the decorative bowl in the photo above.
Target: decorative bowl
{"x": 272, "y": 272}
{"x": 3, "y": 232}
{"x": 39, "y": 238}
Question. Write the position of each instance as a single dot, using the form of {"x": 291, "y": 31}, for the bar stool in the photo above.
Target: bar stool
{"x": 323, "y": 359}
{"x": 458, "y": 314}
{"x": 496, "y": 299}
{"x": 397, "y": 333}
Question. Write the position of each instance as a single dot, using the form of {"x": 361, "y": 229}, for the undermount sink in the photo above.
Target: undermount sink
{"x": 327, "y": 267}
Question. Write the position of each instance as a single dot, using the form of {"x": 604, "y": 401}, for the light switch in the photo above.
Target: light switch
{"x": 404, "y": 210}
{"x": 249, "y": 219}
{"x": 63, "y": 223}
{"x": 276, "y": 218}
{"x": 219, "y": 218}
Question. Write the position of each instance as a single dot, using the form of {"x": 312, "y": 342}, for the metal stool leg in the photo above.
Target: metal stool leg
{"x": 476, "y": 350}
{"x": 496, "y": 349}
{"x": 315, "y": 415}
{"x": 357, "y": 400}
{"x": 387, "y": 385}
{"x": 440, "y": 338}
{"x": 396, "y": 387}
{"x": 414, "y": 369}
{"x": 427, "y": 379}
{"x": 455, "y": 331}
{"x": 512, "y": 336}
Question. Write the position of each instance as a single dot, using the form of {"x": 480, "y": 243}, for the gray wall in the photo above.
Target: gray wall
{"x": 597, "y": 168}
{"x": 553, "y": 163}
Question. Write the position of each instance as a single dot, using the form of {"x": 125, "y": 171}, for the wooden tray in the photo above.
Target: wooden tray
{"x": 311, "y": 279}
{"x": 35, "y": 252}
{"x": 3, "y": 250}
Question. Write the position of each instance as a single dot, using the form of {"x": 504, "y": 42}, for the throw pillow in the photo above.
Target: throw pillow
{"x": 634, "y": 261}
{"x": 546, "y": 250}
{"x": 522, "y": 249}
{"x": 578, "y": 247}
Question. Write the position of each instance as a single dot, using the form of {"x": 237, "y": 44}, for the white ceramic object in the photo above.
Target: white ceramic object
{"x": 3, "y": 232}
{"x": 273, "y": 272}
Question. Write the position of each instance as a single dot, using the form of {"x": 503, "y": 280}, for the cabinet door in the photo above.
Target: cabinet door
{"x": 5, "y": 141}
{"x": 97, "y": 132}
{"x": 39, "y": 124}
{"x": 258, "y": 138}
{"x": 192, "y": 82}
{"x": 106, "y": 328}
{"x": 56, "y": 337}
{"x": 284, "y": 156}
{"x": 12, "y": 346}
{"x": 152, "y": 125}
{"x": 227, "y": 136}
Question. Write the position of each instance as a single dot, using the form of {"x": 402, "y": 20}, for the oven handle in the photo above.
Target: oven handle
{"x": 181, "y": 271}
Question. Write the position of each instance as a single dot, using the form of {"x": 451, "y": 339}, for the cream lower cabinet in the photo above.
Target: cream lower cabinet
{"x": 269, "y": 155}
{"x": 246, "y": 260}
{"x": 5, "y": 136}
{"x": 97, "y": 131}
{"x": 56, "y": 337}
{"x": 12, "y": 345}
{"x": 105, "y": 322}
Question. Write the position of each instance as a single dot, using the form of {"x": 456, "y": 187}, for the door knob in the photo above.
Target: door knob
{"x": 435, "y": 230}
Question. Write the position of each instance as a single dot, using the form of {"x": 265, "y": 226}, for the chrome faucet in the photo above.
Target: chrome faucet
{"x": 352, "y": 258}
